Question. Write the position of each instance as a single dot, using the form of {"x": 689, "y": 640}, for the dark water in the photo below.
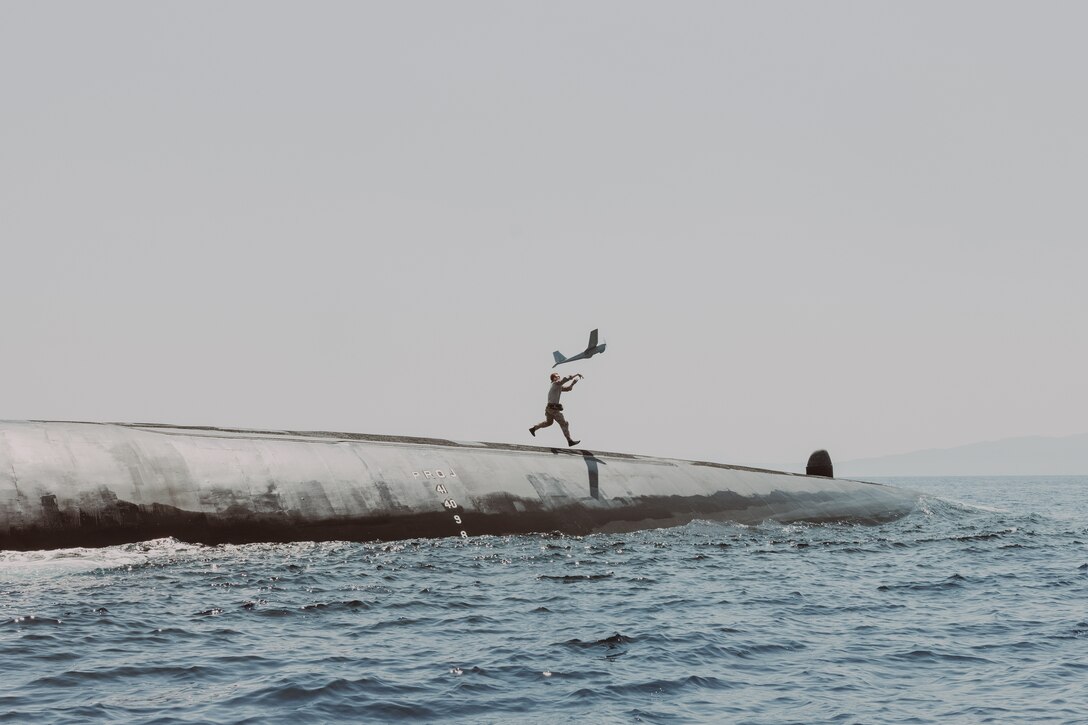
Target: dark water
{"x": 973, "y": 609}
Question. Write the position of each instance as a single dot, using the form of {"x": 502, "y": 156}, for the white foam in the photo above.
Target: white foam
{"x": 68, "y": 561}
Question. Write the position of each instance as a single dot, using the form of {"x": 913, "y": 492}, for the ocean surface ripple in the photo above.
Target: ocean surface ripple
{"x": 972, "y": 609}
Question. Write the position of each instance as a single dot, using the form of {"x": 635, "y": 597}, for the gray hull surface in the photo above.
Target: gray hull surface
{"x": 97, "y": 484}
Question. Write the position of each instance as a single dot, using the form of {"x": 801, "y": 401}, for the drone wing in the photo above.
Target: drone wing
{"x": 592, "y": 340}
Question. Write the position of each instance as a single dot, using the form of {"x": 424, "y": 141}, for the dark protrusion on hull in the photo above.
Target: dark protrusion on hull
{"x": 819, "y": 464}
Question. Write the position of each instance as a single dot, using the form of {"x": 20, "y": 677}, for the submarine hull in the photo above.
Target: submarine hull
{"x": 96, "y": 484}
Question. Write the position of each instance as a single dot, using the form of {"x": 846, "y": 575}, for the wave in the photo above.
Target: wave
{"x": 80, "y": 559}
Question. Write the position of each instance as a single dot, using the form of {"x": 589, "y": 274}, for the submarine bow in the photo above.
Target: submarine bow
{"x": 94, "y": 484}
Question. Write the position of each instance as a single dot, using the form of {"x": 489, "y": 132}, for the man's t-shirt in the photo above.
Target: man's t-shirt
{"x": 554, "y": 392}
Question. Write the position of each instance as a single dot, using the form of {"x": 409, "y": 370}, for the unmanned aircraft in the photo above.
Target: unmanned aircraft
{"x": 592, "y": 349}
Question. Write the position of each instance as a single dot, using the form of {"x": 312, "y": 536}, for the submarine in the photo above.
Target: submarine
{"x": 88, "y": 484}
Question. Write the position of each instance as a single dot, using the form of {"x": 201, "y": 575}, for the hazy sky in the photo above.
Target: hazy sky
{"x": 852, "y": 225}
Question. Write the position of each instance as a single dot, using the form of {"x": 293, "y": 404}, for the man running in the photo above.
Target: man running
{"x": 554, "y": 411}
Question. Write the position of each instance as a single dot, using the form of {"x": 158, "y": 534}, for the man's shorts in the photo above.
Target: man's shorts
{"x": 555, "y": 413}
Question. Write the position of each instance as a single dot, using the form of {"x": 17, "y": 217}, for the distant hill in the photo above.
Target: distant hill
{"x": 1027, "y": 456}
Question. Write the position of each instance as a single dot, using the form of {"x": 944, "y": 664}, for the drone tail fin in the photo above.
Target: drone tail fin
{"x": 559, "y": 358}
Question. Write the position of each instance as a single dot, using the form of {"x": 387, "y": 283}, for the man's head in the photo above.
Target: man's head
{"x": 555, "y": 377}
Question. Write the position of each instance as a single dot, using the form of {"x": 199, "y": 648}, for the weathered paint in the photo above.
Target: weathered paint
{"x": 92, "y": 484}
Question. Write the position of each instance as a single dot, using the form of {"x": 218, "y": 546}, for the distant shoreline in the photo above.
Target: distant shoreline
{"x": 1023, "y": 456}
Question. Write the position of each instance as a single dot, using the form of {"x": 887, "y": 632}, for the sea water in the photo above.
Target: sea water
{"x": 972, "y": 609}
